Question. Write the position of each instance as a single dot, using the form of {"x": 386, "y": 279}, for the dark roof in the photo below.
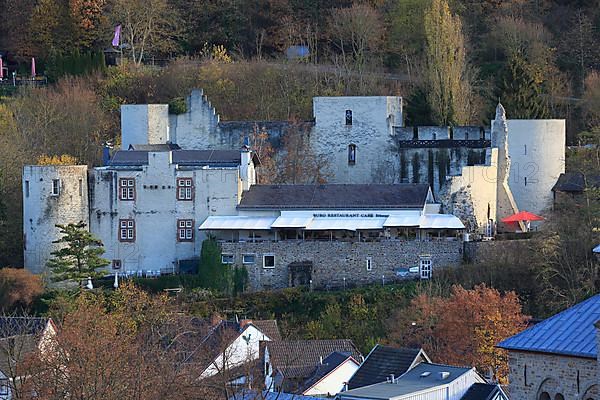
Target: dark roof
{"x": 19, "y": 337}
{"x": 570, "y": 332}
{"x": 218, "y": 158}
{"x": 16, "y": 326}
{"x": 404, "y": 195}
{"x": 265, "y": 395}
{"x": 154, "y": 147}
{"x": 575, "y": 182}
{"x": 425, "y": 376}
{"x": 268, "y": 327}
{"x": 300, "y": 358}
{"x": 330, "y": 363}
{"x": 481, "y": 391}
{"x": 382, "y": 362}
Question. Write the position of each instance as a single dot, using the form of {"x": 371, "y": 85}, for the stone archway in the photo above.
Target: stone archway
{"x": 549, "y": 389}
{"x": 591, "y": 393}
{"x": 300, "y": 273}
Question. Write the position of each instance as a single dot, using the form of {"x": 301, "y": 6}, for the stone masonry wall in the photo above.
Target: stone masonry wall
{"x": 497, "y": 251}
{"x": 334, "y": 261}
{"x": 533, "y": 373}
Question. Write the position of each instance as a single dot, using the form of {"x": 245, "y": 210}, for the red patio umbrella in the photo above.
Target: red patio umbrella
{"x": 522, "y": 216}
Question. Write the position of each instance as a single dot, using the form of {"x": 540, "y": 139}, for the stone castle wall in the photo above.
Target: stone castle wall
{"x": 333, "y": 261}
{"x": 533, "y": 373}
{"x": 497, "y": 251}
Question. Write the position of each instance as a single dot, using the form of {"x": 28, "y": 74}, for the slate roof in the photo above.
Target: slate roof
{"x": 253, "y": 395}
{"x": 299, "y": 359}
{"x": 411, "y": 382}
{"x": 15, "y": 326}
{"x": 22, "y": 335}
{"x": 381, "y": 362}
{"x": 330, "y": 363}
{"x": 154, "y": 147}
{"x": 218, "y": 158}
{"x": 340, "y": 196}
{"x": 570, "y": 332}
{"x": 481, "y": 391}
{"x": 574, "y": 182}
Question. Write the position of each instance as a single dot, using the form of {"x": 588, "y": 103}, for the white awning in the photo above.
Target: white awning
{"x": 440, "y": 221}
{"x": 237, "y": 223}
{"x": 345, "y": 224}
{"x": 291, "y": 222}
{"x": 402, "y": 220}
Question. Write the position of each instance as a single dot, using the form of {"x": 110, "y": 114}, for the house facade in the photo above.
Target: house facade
{"x": 558, "y": 357}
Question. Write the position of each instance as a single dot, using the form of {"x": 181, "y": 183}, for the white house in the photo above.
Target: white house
{"x": 20, "y": 337}
{"x": 427, "y": 381}
{"x": 331, "y": 376}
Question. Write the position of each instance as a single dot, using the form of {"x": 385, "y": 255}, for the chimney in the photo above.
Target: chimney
{"x": 444, "y": 375}
{"x": 245, "y": 322}
{"x": 345, "y": 389}
{"x": 247, "y": 172}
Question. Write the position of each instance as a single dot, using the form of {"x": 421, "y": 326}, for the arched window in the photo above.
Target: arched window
{"x": 348, "y": 117}
{"x": 559, "y": 396}
{"x": 544, "y": 396}
{"x": 351, "y": 154}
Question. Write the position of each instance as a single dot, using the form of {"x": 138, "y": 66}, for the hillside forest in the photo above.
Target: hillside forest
{"x": 450, "y": 60}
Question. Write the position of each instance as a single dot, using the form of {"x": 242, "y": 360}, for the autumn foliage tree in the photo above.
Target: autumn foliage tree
{"x": 18, "y": 288}
{"x": 462, "y": 329}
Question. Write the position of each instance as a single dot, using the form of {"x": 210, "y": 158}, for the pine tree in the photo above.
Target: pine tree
{"x": 520, "y": 91}
{"x": 80, "y": 258}
{"x": 215, "y": 274}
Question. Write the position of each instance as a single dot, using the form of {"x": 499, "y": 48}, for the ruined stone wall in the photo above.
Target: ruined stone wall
{"x": 42, "y": 209}
{"x": 497, "y": 251}
{"x": 533, "y": 373}
{"x": 334, "y": 261}
{"x": 144, "y": 124}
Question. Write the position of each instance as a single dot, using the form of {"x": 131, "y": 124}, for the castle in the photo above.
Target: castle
{"x": 178, "y": 177}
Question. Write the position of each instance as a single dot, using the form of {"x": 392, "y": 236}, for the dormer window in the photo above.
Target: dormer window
{"x": 348, "y": 117}
{"x": 352, "y": 154}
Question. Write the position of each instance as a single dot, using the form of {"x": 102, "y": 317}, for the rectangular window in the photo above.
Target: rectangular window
{"x": 3, "y": 387}
{"x": 425, "y": 267}
{"x": 269, "y": 261}
{"x": 55, "y": 187}
{"x": 127, "y": 189}
{"x": 185, "y": 189}
{"x": 26, "y": 188}
{"x": 248, "y": 258}
{"x": 348, "y": 117}
{"x": 116, "y": 264}
{"x": 227, "y": 258}
{"x": 126, "y": 230}
{"x": 352, "y": 154}
{"x": 369, "y": 263}
{"x": 185, "y": 230}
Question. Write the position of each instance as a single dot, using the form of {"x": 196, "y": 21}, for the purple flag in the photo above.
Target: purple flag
{"x": 117, "y": 38}
{"x": 32, "y": 67}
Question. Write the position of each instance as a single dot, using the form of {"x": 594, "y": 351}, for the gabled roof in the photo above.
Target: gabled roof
{"x": 16, "y": 326}
{"x": 211, "y": 158}
{"x": 330, "y": 363}
{"x": 570, "y": 332}
{"x": 300, "y": 358}
{"x": 483, "y": 391}
{"x": 575, "y": 182}
{"x": 268, "y": 327}
{"x": 335, "y": 196}
{"x": 382, "y": 362}
{"x": 423, "y": 377}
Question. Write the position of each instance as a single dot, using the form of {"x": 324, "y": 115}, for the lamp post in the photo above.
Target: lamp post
{"x": 89, "y": 284}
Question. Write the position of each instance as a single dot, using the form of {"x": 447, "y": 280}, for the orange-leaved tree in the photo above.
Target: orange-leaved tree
{"x": 18, "y": 288}
{"x": 462, "y": 329}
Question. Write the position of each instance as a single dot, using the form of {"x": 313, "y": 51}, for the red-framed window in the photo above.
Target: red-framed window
{"x": 185, "y": 189}
{"x": 126, "y": 230}
{"x": 127, "y": 189}
{"x": 185, "y": 230}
